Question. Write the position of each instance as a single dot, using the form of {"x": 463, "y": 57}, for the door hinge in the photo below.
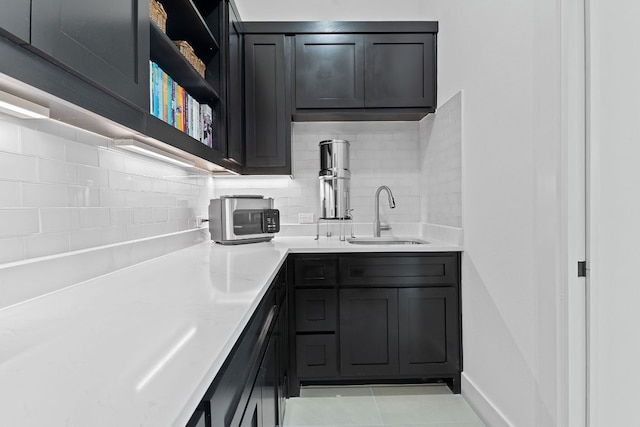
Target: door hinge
{"x": 582, "y": 268}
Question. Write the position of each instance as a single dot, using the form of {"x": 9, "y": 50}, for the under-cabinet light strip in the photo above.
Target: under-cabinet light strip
{"x": 147, "y": 150}
{"x": 21, "y": 108}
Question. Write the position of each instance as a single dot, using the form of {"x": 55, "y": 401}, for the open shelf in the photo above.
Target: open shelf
{"x": 184, "y": 22}
{"x": 168, "y": 57}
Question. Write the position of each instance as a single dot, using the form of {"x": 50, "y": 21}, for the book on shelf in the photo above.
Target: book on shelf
{"x": 172, "y": 104}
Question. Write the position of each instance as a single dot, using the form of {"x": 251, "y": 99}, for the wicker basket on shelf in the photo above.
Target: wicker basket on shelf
{"x": 186, "y": 50}
{"x": 158, "y": 15}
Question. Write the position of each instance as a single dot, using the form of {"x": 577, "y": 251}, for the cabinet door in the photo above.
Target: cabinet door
{"x": 253, "y": 413}
{"x": 315, "y": 310}
{"x": 400, "y": 70}
{"x": 330, "y": 71}
{"x": 429, "y": 330}
{"x": 269, "y": 396}
{"x": 368, "y": 332}
{"x": 235, "y": 95}
{"x": 268, "y": 126}
{"x": 106, "y": 42}
{"x": 316, "y": 356}
{"x": 15, "y": 20}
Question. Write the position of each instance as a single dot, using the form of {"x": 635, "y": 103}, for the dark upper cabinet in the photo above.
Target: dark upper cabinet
{"x": 330, "y": 71}
{"x": 368, "y": 332}
{"x": 267, "y": 113}
{"x": 400, "y": 70}
{"x": 387, "y": 75}
{"x": 106, "y": 42}
{"x": 235, "y": 93}
{"x": 15, "y": 20}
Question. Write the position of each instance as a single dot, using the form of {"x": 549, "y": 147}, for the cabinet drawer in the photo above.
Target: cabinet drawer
{"x": 316, "y": 356}
{"x": 315, "y": 310}
{"x": 315, "y": 272}
{"x": 403, "y": 270}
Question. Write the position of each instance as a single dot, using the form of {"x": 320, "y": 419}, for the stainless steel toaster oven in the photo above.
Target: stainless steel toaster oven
{"x": 243, "y": 219}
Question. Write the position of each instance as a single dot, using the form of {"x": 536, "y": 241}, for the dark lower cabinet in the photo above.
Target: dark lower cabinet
{"x": 15, "y": 20}
{"x": 267, "y": 107}
{"x": 397, "y": 318}
{"x": 316, "y": 356}
{"x": 368, "y": 332}
{"x": 105, "y": 42}
{"x": 250, "y": 388}
{"x": 428, "y": 324}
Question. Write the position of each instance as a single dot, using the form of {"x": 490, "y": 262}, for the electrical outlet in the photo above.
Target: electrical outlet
{"x": 305, "y": 218}
{"x": 199, "y": 221}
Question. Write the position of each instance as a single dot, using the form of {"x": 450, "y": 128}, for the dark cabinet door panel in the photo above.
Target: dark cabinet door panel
{"x": 316, "y": 310}
{"x": 407, "y": 270}
{"x": 106, "y": 42}
{"x": 235, "y": 94}
{"x": 368, "y": 332}
{"x": 329, "y": 71}
{"x": 267, "y": 135}
{"x": 316, "y": 356}
{"x": 15, "y": 20}
{"x": 400, "y": 70}
{"x": 315, "y": 272}
{"x": 429, "y": 330}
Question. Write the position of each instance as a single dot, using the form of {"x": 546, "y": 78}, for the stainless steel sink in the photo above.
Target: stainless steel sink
{"x": 386, "y": 241}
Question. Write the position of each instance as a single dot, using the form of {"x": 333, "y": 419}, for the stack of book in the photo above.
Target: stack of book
{"x": 172, "y": 104}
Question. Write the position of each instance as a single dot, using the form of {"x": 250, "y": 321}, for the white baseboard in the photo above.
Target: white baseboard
{"x": 490, "y": 415}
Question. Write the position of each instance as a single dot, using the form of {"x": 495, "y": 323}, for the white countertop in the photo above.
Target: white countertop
{"x": 140, "y": 346}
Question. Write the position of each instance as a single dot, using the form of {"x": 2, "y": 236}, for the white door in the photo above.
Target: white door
{"x": 613, "y": 158}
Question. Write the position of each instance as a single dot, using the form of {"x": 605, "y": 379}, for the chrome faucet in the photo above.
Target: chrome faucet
{"x": 376, "y": 210}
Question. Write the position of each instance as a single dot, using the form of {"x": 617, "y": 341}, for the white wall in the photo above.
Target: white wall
{"x": 504, "y": 56}
{"x": 614, "y": 205}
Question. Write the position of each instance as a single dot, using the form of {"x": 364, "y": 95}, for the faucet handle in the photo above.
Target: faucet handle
{"x": 385, "y": 227}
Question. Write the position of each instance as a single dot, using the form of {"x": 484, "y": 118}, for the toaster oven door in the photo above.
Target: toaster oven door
{"x": 248, "y": 222}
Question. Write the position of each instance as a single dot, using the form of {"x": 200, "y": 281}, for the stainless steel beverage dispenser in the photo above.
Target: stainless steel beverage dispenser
{"x": 334, "y": 179}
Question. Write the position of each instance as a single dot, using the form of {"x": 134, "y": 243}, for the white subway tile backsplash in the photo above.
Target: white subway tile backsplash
{"x": 44, "y": 195}
{"x": 40, "y": 144}
{"x": 111, "y": 160}
{"x": 59, "y": 219}
{"x": 83, "y": 239}
{"x": 83, "y": 196}
{"x": 45, "y": 244}
{"x": 112, "y": 198}
{"x": 441, "y": 166}
{"x": 10, "y": 194}
{"x": 81, "y": 153}
{"x": 121, "y": 217}
{"x": 18, "y": 168}
{"x": 56, "y": 171}
{"x": 84, "y": 193}
{"x": 114, "y": 234}
{"x": 10, "y": 137}
{"x": 11, "y": 249}
{"x": 94, "y": 217}
{"x": 92, "y": 176}
{"x": 18, "y": 222}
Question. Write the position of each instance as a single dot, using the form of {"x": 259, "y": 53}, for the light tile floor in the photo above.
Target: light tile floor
{"x": 380, "y": 406}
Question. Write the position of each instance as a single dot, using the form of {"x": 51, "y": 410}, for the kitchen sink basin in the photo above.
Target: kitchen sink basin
{"x": 386, "y": 241}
